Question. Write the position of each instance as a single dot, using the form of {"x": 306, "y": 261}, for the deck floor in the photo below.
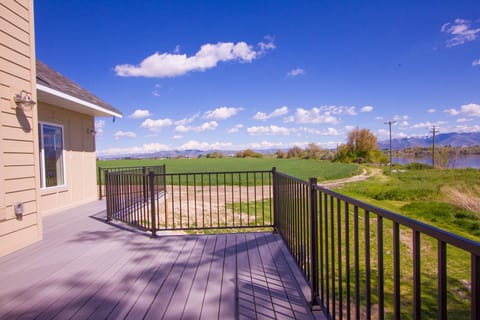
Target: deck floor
{"x": 87, "y": 269}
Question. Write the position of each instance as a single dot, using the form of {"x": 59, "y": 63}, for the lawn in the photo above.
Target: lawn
{"x": 304, "y": 169}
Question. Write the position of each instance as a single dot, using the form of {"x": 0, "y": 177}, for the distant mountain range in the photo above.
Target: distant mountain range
{"x": 454, "y": 139}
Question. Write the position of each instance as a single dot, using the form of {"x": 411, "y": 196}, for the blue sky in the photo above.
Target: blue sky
{"x": 233, "y": 75}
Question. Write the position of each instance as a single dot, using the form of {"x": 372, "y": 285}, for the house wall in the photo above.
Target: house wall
{"x": 79, "y": 159}
{"x": 18, "y": 129}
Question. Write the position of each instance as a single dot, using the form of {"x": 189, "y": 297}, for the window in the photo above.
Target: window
{"x": 51, "y": 155}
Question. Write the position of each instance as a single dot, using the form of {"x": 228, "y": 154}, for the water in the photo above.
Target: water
{"x": 455, "y": 162}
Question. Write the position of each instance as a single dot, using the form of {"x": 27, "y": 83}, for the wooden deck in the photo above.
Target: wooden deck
{"x": 87, "y": 269}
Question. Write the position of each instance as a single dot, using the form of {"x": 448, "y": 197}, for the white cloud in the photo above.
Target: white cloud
{"x": 156, "y": 125}
{"x": 235, "y": 129}
{"x": 379, "y": 118}
{"x": 212, "y": 125}
{"x": 99, "y": 125}
{"x": 127, "y": 134}
{"x": 269, "y": 130}
{"x": 461, "y": 31}
{"x": 275, "y": 113}
{"x": 431, "y": 110}
{"x": 186, "y": 121}
{"x": 401, "y": 120}
{"x": 176, "y": 137}
{"x": 326, "y": 132}
{"x": 469, "y": 110}
{"x": 146, "y": 148}
{"x": 366, "y": 109}
{"x": 323, "y": 114}
{"x": 452, "y": 112}
{"x": 296, "y": 72}
{"x": 264, "y": 145}
{"x": 163, "y": 65}
{"x": 460, "y": 120}
{"x": 266, "y": 45}
{"x": 156, "y": 93}
{"x": 221, "y": 113}
{"x": 427, "y": 124}
{"x": 139, "y": 114}
{"x": 197, "y": 145}
{"x": 476, "y": 62}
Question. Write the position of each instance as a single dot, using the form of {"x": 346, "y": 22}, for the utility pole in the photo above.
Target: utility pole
{"x": 390, "y": 130}
{"x": 434, "y": 131}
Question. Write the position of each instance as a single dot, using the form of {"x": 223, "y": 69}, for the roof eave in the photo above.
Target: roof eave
{"x": 63, "y": 100}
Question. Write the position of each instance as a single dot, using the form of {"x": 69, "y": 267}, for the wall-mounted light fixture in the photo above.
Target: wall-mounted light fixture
{"x": 24, "y": 100}
{"x": 91, "y": 131}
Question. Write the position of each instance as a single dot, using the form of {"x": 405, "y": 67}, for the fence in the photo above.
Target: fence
{"x": 359, "y": 260}
{"x": 191, "y": 201}
{"x": 159, "y": 169}
{"x": 365, "y": 262}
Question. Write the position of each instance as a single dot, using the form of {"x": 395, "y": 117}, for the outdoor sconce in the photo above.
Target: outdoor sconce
{"x": 91, "y": 131}
{"x": 24, "y": 100}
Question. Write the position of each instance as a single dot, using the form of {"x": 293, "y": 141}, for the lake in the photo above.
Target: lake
{"x": 456, "y": 162}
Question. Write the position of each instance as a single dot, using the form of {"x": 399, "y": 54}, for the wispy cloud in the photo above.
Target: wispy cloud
{"x": 121, "y": 134}
{"x": 366, "y": 109}
{"x": 432, "y": 110}
{"x": 275, "y": 113}
{"x": 212, "y": 125}
{"x": 235, "y": 129}
{"x": 295, "y": 72}
{"x": 324, "y": 132}
{"x": 271, "y": 130}
{"x": 99, "y": 125}
{"x": 427, "y": 124}
{"x": 461, "y": 31}
{"x": 156, "y": 125}
{"x": 146, "y": 148}
{"x": 139, "y": 114}
{"x": 162, "y": 65}
{"x": 221, "y": 113}
{"x": 186, "y": 121}
{"x": 323, "y": 114}
{"x": 197, "y": 145}
{"x": 476, "y": 62}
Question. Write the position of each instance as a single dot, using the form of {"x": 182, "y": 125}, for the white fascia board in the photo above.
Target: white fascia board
{"x": 76, "y": 100}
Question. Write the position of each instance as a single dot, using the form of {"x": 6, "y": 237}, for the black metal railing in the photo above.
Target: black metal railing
{"x": 144, "y": 170}
{"x": 359, "y": 260}
{"x": 191, "y": 201}
{"x": 365, "y": 262}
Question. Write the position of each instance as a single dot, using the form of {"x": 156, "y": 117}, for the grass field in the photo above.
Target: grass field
{"x": 447, "y": 199}
{"x": 304, "y": 169}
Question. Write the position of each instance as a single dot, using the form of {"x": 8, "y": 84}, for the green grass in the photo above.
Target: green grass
{"x": 422, "y": 195}
{"x": 304, "y": 169}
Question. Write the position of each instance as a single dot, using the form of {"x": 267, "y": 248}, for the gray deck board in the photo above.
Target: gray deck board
{"x": 87, "y": 269}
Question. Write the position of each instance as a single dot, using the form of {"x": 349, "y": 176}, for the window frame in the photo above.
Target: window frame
{"x": 43, "y": 179}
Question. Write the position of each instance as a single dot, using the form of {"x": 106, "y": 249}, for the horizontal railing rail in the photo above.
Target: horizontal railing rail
{"x": 158, "y": 169}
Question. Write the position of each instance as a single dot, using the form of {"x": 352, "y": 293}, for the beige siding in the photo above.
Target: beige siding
{"x": 79, "y": 156}
{"x": 18, "y": 133}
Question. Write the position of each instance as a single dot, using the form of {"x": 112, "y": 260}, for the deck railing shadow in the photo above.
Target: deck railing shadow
{"x": 359, "y": 260}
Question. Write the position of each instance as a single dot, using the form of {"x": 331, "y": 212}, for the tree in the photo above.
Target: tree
{"x": 361, "y": 146}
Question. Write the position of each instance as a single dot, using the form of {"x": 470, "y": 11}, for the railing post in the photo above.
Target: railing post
{"x": 144, "y": 182}
{"x": 275, "y": 198}
{"x": 151, "y": 179}
{"x": 100, "y": 195}
{"x": 475, "y": 297}
{"x": 314, "y": 242}
{"x": 109, "y": 198}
